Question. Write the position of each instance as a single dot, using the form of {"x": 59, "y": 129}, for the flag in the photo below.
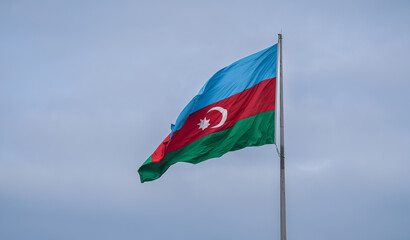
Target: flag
{"x": 233, "y": 110}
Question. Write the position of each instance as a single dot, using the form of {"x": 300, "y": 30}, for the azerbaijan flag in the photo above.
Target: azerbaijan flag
{"x": 233, "y": 110}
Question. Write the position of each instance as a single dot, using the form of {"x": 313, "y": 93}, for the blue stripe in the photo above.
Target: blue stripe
{"x": 233, "y": 79}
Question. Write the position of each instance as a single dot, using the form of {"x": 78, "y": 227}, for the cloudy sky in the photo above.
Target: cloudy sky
{"x": 88, "y": 90}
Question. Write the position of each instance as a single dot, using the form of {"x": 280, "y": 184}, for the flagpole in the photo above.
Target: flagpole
{"x": 282, "y": 151}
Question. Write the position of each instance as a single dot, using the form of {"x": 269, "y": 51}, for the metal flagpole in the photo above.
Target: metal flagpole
{"x": 282, "y": 151}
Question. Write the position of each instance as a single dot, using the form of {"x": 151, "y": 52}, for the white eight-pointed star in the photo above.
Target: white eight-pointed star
{"x": 203, "y": 124}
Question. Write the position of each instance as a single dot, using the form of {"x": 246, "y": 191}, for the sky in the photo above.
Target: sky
{"x": 88, "y": 90}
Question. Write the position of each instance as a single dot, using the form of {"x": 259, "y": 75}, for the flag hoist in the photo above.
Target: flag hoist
{"x": 236, "y": 108}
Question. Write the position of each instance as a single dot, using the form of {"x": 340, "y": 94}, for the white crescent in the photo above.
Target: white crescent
{"x": 224, "y": 113}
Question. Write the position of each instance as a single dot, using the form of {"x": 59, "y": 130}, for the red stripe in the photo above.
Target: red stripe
{"x": 259, "y": 98}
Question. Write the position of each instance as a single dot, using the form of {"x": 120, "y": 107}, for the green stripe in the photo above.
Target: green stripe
{"x": 253, "y": 131}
